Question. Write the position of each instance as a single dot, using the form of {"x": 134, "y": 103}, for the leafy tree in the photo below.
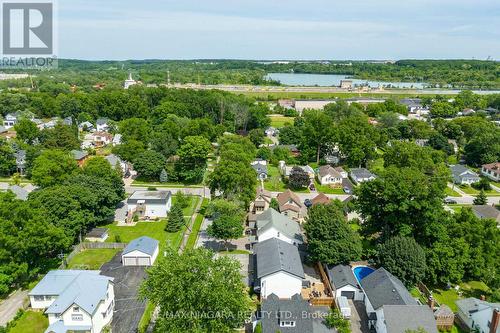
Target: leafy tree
{"x": 298, "y": 178}
{"x": 483, "y": 148}
{"x": 27, "y": 131}
{"x": 182, "y": 199}
{"x": 163, "y": 176}
{"x": 60, "y": 137}
{"x": 357, "y": 140}
{"x": 257, "y": 136}
{"x": 404, "y": 258}
{"x": 136, "y": 129}
{"x": 7, "y": 159}
{"x": 481, "y": 198}
{"x": 446, "y": 261}
{"x": 175, "y": 219}
{"x": 442, "y": 109}
{"x": 410, "y": 155}
{"x": 330, "y": 239}
{"x": 336, "y": 320}
{"x": 149, "y": 165}
{"x": 439, "y": 142}
{"x": 195, "y": 282}
{"x": 317, "y": 130}
{"x": 130, "y": 150}
{"x": 483, "y": 184}
{"x": 193, "y": 155}
{"x": 290, "y": 135}
{"x": 52, "y": 167}
{"x": 226, "y": 227}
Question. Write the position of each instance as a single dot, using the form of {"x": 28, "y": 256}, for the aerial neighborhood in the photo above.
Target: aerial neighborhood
{"x": 135, "y": 205}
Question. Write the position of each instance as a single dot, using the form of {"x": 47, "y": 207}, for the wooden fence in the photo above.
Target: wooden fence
{"x": 89, "y": 245}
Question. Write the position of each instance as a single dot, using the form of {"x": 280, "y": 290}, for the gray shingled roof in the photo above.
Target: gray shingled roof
{"x": 471, "y": 304}
{"x": 144, "y": 244}
{"x": 274, "y": 255}
{"x": 150, "y": 197}
{"x": 341, "y": 276}
{"x": 102, "y": 121}
{"x": 328, "y": 170}
{"x": 260, "y": 168}
{"x": 79, "y": 154}
{"x": 457, "y": 170}
{"x": 271, "y": 218}
{"x": 361, "y": 173}
{"x": 383, "y": 288}
{"x": 294, "y": 308}
{"x": 486, "y": 212}
{"x": 400, "y": 318}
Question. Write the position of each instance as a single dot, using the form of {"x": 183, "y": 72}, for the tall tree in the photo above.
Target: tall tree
{"x": 149, "y": 165}
{"x": 52, "y": 167}
{"x": 195, "y": 282}
{"x": 330, "y": 239}
{"x": 27, "y": 131}
{"x": 7, "y": 159}
{"x": 298, "y": 178}
{"x": 175, "y": 219}
{"x": 481, "y": 198}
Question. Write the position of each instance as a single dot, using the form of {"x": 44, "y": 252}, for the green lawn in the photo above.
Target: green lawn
{"x": 191, "y": 242}
{"x": 468, "y": 289}
{"x": 92, "y": 258}
{"x": 451, "y": 193}
{"x": 327, "y": 189}
{"x": 154, "y": 230}
{"x": 30, "y": 322}
{"x": 142, "y": 183}
{"x": 146, "y": 317}
{"x": 377, "y": 165}
{"x": 472, "y": 191}
{"x": 192, "y": 202}
{"x": 280, "y": 121}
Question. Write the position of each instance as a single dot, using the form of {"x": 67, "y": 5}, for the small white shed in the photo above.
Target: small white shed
{"x": 140, "y": 252}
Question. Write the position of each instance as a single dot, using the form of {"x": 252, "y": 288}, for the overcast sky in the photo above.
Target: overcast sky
{"x": 279, "y": 29}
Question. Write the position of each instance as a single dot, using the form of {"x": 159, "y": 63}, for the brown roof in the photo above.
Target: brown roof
{"x": 263, "y": 193}
{"x": 492, "y": 166}
{"x": 320, "y": 199}
{"x": 328, "y": 170}
{"x": 286, "y": 196}
{"x": 289, "y": 207}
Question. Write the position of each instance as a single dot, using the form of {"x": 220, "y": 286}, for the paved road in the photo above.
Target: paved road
{"x": 201, "y": 191}
{"x": 10, "y": 306}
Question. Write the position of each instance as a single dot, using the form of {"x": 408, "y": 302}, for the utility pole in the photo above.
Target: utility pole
{"x": 168, "y": 78}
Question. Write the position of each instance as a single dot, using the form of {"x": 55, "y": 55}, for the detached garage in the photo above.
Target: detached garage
{"x": 140, "y": 252}
{"x": 344, "y": 282}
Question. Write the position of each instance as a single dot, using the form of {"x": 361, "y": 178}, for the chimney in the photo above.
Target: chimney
{"x": 430, "y": 303}
{"x": 482, "y": 298}
{"x": 495, "y": 320}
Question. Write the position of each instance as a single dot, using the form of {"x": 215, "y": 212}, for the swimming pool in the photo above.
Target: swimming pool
{"x": 362, "y": 271}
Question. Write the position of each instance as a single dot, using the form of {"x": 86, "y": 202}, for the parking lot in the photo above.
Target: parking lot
{"x": 128, "y": 308}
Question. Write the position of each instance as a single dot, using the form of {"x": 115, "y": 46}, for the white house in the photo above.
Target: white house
{"x": 10, "y": 120}
{"x": 479, "y": 315}
{"x": 141, "y": 251}
{"x": 391, "y": 308}
{"x": 492, "y": 171}
{"x": 102, "y": 124}
{"x": 344, "y": 282}
{"x": 271, "y": 224}
{"x": 279, "y": 269}
{"x": 463, "y": 176}
{"x": 150, "y": 204}
{"x": 329, "y": 176}
{"x": 75, "y": 300}
{"x": 101, "y": 138}
{"x": 115, "y": 161}
{"x": 117, "y": 139}
{"x": 360, "y": 175}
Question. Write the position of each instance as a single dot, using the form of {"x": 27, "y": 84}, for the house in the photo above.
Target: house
{"x": 262, "y": 201}
{"x": 271, "y": 131}
{"x": 271, "y": 224}
{"x": 75, "y": 300}
{"x": 463, "y": 176}
{"x": 79, "y": 156}
{"x": 97, "y": 235}
{"x": 342, "y": 172}
{"x": 11, "y": 119}
{"x": 117, "y": 162}
{"x": 20, "y": 192}
{"x": 117, "y": 140}
{"x": 141, "y": 251}
{"x": 102, "y": 124}
{"x": 486, "y": 212}
{"x": 492, "y": 171}
{"x": 285, "y": 170}
{"x": 414, "y": 105}
{"x": 20, "y": 156}
{"x": 344, "y": 282}
{"x": 151, "y": 204}
{"x": 68, "y": 121}
{"x": 290, "y": 205}
{"x": 129, "y": 82}
{"x": 478, "y": 315}
{"x": 327, "y": 175}
{"x": 101, "y": 138}
{"x": 279, "y": 269}
{"x": 86, "y": 126}
{"x": 391, "y": 308}
{"x": 320, "y": 199}
{"x": 360, "y": 175}
{"x": 260, "y": 167}
{"x": 293, "y": 315}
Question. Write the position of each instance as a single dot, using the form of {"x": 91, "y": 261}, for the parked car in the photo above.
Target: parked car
{"x": 347, "y": 190}
{"x": 308, "y": 203}
{"x": 450, "y": 201}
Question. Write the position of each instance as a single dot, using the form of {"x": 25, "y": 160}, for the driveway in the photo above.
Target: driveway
{"x": 10, "y": 306}
{"x": 128, "y": 308}
{"x": 121, "y": 211}
{"x": 359, "y": 319}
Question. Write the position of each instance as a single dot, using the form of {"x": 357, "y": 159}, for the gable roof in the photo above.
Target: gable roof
{"x": 83, "y": 288}
{"x": 400, "y": 318}
{"x": 458, "y": 170}
{"x": 113, "y": 159}
{"x": 102, "y": 121}
{"x": 150, "y": 197}
{"x": 320, "y": 199}
{"x": 286, "y": 196}
{"x": 143, "y": 244}
{"x": 274, "y": 255}
{"x": 260, "y": 167}
{"x": 486, "y": 212}
{"x": 327, "y": 170}
{"x": 294, "y": 308}
{"x": 383, "y": 288}
{"x": 341, "y": 276}
{"x": 361, "y": 173}
{"x": 79, "y": 154}
{"x": 471, "y": 304}
{"x": 492, "y": 166}
{"x": 272, "y": 219}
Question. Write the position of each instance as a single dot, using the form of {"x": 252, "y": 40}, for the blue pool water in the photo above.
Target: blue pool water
{"x": 362, "y": 271}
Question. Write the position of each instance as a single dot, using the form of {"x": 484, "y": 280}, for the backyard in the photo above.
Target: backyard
{"x": 30, "y": 322}
{"x": 467, "y": 289}
{"x": 92, "y": 258}
{"x": 278, "y": 121}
